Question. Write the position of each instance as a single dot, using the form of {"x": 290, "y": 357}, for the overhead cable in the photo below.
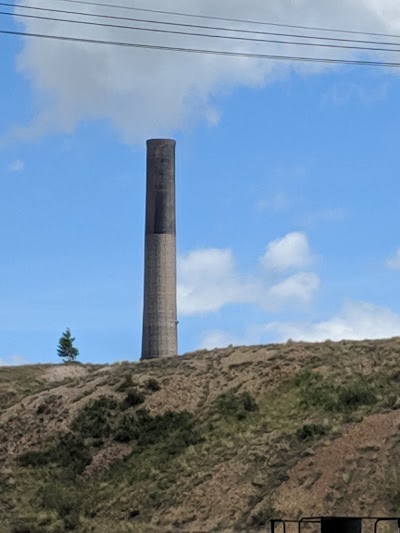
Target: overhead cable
{"x": 213, "y": 36}
{"x": 197, "y": 26}
{"x": 228, "y": 19}
{"x": 275, "y": 57}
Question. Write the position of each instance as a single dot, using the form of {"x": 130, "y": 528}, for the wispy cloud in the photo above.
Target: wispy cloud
{"x": 218, "y": 339}
{"x": 335, "y": 214}
{"x": 16, "y": 166}
{"x": 13, "y": 360}
{"x": 356, "y": 321}
{"x": 342, "y": 93}
{"x": 276, "y": 203}
{"x": 393, "y": 263}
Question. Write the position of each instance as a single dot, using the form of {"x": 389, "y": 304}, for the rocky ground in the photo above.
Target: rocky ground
{"x": 211, "y": 441}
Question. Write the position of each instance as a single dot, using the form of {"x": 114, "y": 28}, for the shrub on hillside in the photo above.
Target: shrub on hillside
{"x": 315, "y": 392}
{"x": 126, "y": 383}
{"x": 59, "y": 498}
{"x": 133, "y": 398}
{"x": 25, "y": 525}
{"x": 72, "y": 454}
{"x": 320, "y": 393}
{"x": 230, "y": 405}
{"x": 153, "y": 385}
{"x": 355, "y": 395}
{"x": 127, "y": 429}
{"x": 69, "y": 452}
{"x": 95, "y": 420}
{"x": 396, "y": 376}
{"x": 178, "y": 428}
{"x": 34, "y": 459}
{"x": 307, "y": 378}
{"x": 310, "y": 431}
{"x": 172, "y": 431}
{"x": 64, "y": 501}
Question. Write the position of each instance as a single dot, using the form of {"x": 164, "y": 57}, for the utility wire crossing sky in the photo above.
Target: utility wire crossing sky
{"x": 216, "y": 36}
{"x": 383, "y": 46}
{"x": 210, "y": 17}
{"x": 287, "y": 170}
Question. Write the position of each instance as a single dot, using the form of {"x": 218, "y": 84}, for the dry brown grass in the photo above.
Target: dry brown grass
{"x": 243, "y": 469}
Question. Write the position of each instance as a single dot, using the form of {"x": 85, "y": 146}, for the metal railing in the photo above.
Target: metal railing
{"x": 376, "y": 520}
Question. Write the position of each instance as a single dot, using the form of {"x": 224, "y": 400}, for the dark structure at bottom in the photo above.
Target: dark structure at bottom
{"x": 333, "y": 524}
{"x": 347, "y": 525}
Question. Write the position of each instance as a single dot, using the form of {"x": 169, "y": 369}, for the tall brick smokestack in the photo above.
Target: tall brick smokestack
{"x": 159, "y": 310}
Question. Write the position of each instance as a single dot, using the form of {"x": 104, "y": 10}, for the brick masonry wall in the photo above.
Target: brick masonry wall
{"x": 160, "y": 309}
{"x": 159, "y": 314}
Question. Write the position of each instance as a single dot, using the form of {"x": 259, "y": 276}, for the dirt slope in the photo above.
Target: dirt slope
{"x": 211, "y": 441}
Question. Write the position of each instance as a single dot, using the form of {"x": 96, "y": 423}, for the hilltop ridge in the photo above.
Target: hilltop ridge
{"x": 216, "y": 440}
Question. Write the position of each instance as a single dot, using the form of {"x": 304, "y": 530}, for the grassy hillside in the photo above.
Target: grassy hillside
{"x": 212, "y": 441}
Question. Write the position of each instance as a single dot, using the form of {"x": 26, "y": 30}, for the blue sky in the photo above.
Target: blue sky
{"x": 287, "y": 203}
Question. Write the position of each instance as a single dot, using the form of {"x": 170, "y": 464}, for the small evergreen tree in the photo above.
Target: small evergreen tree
{"x": 66, "y": 349}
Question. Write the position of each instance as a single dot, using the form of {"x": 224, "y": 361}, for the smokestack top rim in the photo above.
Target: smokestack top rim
{"x": 160, "y": 140}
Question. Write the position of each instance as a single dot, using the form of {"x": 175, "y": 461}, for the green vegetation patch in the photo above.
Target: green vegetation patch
{"x": 62, "y": 494}
{"x": 96, "y": 419}
{"x": 126, "y": 383}
{"x": 106, "y": 418}
{"x": 175, "y": 430}
{"x": 153, "y": 385}
{"x": 355, "y": 395}
{"x": 68, "y": 452}
{"x": 18, "y": 382}
{"x": 317, "y": 392}
{"x": 311, "y": 431}
{"x": 65, "y": 501}
{"x": 238, "y": 407}
{"x": 133, "y": 398}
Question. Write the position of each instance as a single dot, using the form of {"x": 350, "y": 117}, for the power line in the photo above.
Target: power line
{"x": 227, "y": 19}
{"x": 334, "y": 61}
{"x": 197, "y": 26}
{"x": 213, "y": 36}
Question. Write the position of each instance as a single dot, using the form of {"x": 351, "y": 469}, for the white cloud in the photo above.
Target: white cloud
{"x": 209, "y": 280}
{"x": 16, "y": 166}
{"x": 289, "y": 252}
{"x": 218, "y": 339}
{"x": 146, "y": 92}
{"x": 394, "y": 261}
{"x": 356, "y": 321}
{"x": 298, "y": 289}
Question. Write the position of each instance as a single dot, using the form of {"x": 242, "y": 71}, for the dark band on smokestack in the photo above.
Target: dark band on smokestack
{"x": 160, "y": 205}
{"x": 159, "y": 310}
